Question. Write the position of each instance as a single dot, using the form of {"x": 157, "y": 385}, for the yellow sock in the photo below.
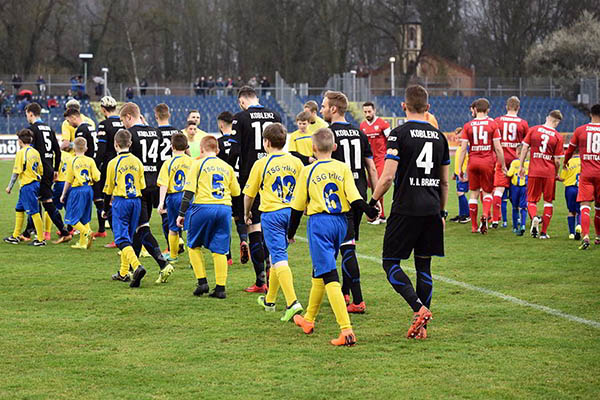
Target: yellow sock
{"x": 336, "y": 300}
{"x": 19, "y": 218}
{"x": 284, "y": 273}
{"x": 198, "y": 262}
{"x": 173, "y": 245}
{"x": 220, "y": 261}
{"x": 89, "y": 227}
{"x": 273, "y": 286}
{"x": 84, "y": 230}
{"x": 124, "y": 270}
{"x": 317, "y": 291}
{"x": 47, "y": 222}
{"x": 130, "y": 257}
{"x": 39, "y": 226}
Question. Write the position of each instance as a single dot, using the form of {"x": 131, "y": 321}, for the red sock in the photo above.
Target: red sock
{"x": 487, "y": 205}
{"x": 532, "y": 208}
{"x": 585, "y": 220}
{"x": 473, "y": 206}
{"x": 597, "y": 221}
{"x": 382, "y": 214}
{"x": 497, "y": 203}
{"x": 548, "y": 209}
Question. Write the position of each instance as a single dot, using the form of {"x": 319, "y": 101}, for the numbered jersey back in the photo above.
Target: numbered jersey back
{"x": 480, "y": 133}
{"x": 45, "y": 142}
{"x": 145, "y": 145}
{"x": 352, "y": 148}
{"x": 89, "y": 134}
{"x": 513, "y": 130}
{"x": 545, "y": 144}
{"x": 587, "y": 139}
{"x": 165, "y": 151}
{"x": 420, "y": 150}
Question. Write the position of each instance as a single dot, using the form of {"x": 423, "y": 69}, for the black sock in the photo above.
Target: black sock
{"x": 165, "y": 228}
{"x": 151, "y": 245}
{"x": 137, "y": 244}
{"x": 401, "y": 283}
{"x": 351, "y": 271}
{"x": 101, "y": 221}
{"x": 242, "y": 231}
{"x": 219, "y": 288}
{"x": 202, "y": 281}
{"x": 424, "y": 280}
{"x": 29, "y": 228}
{"x": 55, "y": 217}
{"x": 257, "y": 254}
{"x": 109, "y": 217}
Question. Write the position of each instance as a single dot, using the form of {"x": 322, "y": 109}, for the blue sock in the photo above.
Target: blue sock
{"x": 571, "y": 221}
{"x": 578, "y": 218}
{"x": 463, "y": 206}
{"x": 515, "y": 218}
{"x": 523, "y": 217}
{"x": 504, "y": 211}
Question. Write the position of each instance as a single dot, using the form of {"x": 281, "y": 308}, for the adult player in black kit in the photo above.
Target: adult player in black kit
{"x": 45, "y": 142}
{"x": 145, "y": 146}
{"x": 246, "y": 145}
{"x": 418, "y": 161}
{"x": 107, "y": 129}
{"x": 353, "y": 149}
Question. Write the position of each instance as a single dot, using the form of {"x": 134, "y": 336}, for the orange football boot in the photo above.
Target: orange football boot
{"x": 307, "y": 327}
{"x": 346, "y": 338}
{"x": 420, "y": 318}
{"x": 357, "y": 308}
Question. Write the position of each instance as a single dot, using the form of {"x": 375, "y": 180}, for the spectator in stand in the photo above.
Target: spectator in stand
{"x": 203, "y": 85}
{"x": 69, "y": 95}
{"x": 16, "y": 80}
{"x": 253, "y": 82}
{"x": 129, "y": 93}
{"x": 41, "y": 85}
{"x": 229, "y": 86}
{"x": 220, "y": 85}
{"x": 239, "y": 82}
{"x": 210, "y": 84}
{"x": 143, "y": 86}
{"x": 74, "y": 84}
{"x": 197, "y": 87}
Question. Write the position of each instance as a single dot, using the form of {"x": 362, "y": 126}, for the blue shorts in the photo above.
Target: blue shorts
{"x": 326, "y": 234}
{"x": 172, "y": 204}
{"x": 518, "y": 196}
{"x": 57, "y": 190}
{"x": 571, "y": 197}
{"x": 209, "y": 226}
{"x": 79, "y": 205}
{"x": 125, "y": 217}
{"x": 461, "y": 186}
{"x": 28, "y": 198}
{"x": 274, "y": 227}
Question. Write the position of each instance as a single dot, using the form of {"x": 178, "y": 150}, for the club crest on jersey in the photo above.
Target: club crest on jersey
{"x": 376, "y": 127}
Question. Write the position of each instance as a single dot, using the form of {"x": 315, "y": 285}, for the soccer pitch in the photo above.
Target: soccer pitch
{"x": 68, "y": 331}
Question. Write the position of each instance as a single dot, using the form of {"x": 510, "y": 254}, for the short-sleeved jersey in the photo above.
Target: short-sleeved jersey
{"x": 68, "y": 131}
{"x": 570, "y": 174}
{"x": 145, "y": 143}
{"x": 28, "y": 165}
{"x": 224, "y": 147}
{"x": 513, "y": 172}
{"x": 325, "y": 186}
{"x": 352, "y": 148}
{"x": 213, "y": 181}
{"x": 82, "y": 171}
{"x": 107, "y": 130}
{"x": 315, "y": 126}
{"x": 301, "y": 143}
{"x": 65, "y": 159}
{"x": 480, "y": 134}
{"x": 174, "y": 172}
{"x": 544, "y": 145}
{"x": 420, "y": 150}
{"x": 377, "y": 132}
{"x": 512, "y": 131}
{"x": 246, "y": 143}
{"x": 274, "y": 178}
{"x": 125, "y": 176}
{"x": 194, "y": 144}
{"x": 165, "y": 150}
{"x": 45, "y": 142}
{"x": 89, "y": 134}
{"x": 587, "y": 139}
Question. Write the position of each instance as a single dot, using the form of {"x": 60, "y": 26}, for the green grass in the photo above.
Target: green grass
{"x": 68, "y": 331}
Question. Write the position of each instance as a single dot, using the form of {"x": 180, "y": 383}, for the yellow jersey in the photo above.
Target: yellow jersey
{"x": 301, "y": 142}
{"x": 68, "y": 131}
{"x": 327, "y": 186}
{"x": 513, "y": 172}
{"x": 315, "y": 126}
{"x": 194, "y": 145}
{"x": 464, "y": 167}
{"x": 65, "y": 158}
{"x": 213, "y": 181}
{"x": 570, "y": 174}
{"x": 274, "y": 177}
{"x": 174, "y": 172}
{"x": 28, "y": 165}
{"x": 82, "y": 171}
{"x": 125, "y": 176}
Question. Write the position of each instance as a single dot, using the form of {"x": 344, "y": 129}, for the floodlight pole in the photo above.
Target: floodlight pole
{"x": 392, "y": 83}
{"x": 353, "y": 72}
{"x": 105, "y": 70}
{"x": 85, "y": 57}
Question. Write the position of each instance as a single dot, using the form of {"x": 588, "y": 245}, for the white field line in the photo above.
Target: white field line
{"x": 493, "y": 293}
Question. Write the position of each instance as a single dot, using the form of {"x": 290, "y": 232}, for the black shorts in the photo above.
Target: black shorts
{"x": 353, "y": 231}
{"x": 256, "y": 213}
{"x": 237, "y": 207}
{"x": 46, "y": 192}
{"x": 403, "y": 234}
{"x": 150, "y": 199}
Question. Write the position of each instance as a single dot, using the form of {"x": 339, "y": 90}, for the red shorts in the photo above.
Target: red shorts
{"x": 500, "y": 180}
{"x": 538, "y": 185}
{"x": 379, "y": 166}
{"x": 589, "y": 189}
{"x": 481, "y": 176}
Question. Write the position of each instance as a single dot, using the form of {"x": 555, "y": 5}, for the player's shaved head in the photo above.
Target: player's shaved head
{"x": 311, "y": 105}
{"x": 129, "y": 109}
{"x": 123, "y": 138}
{"x": 276, "y": 134}
{"x": 247, "y": 92}
{"x": 25, "y": 136}
{"x": 338, "y": 100}
{"x": 556, "y": 114}
{"x": 513, "y": 103}
{"x": 416, "y": 99}
{"x": 209, "y": 144}
{"x": 323, "y": 140}
{"x": 162, "y": 111}
{"x": 481, "y": 105}
{"x": 179, "y": 141}
{"x": 80, "y": 145}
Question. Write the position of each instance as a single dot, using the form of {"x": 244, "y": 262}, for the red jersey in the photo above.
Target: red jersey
{"x": 376, "y": 132}
{"x": 512, "y": 130}
{"x": 480, "y": 134}
{"x": 587, "y": 139}
{"x": 544, "y": 144}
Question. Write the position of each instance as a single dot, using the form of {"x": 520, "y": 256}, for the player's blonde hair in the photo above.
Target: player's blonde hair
{"x": 556, "y": 114}
{"x": 209, "y": 144}
{"x": 129, "y": 109}
{"x": 80, "y": 144}
{"x": 513, "y": 103}
{"x": 323, "y": 140}
{"x": 337, "y": 99}
{"x": 311, "y": 105}
{"x": 162, "y": 111}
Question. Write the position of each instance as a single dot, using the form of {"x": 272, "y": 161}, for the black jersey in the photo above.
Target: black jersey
{"x": 89, "y": 134}
{"x": 165, "y": 150}
{"x": 246, "y": 142}
{"x": 107, "y": 130}
{"x": 145, "y": 141}
{"x": 420, "y": 150}
{"x": 352, "y": 148}
{"x": 45, "y": 142}
{"x": 225, "y": 149}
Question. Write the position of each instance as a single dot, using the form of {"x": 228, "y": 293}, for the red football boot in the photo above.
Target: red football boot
{"x": 420, "y": 318}
{"x": 357, "y": 308}
{"x": 99, "y": 234}
{"x": 111, "y": 245}
{"x": 257, "y": 289}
